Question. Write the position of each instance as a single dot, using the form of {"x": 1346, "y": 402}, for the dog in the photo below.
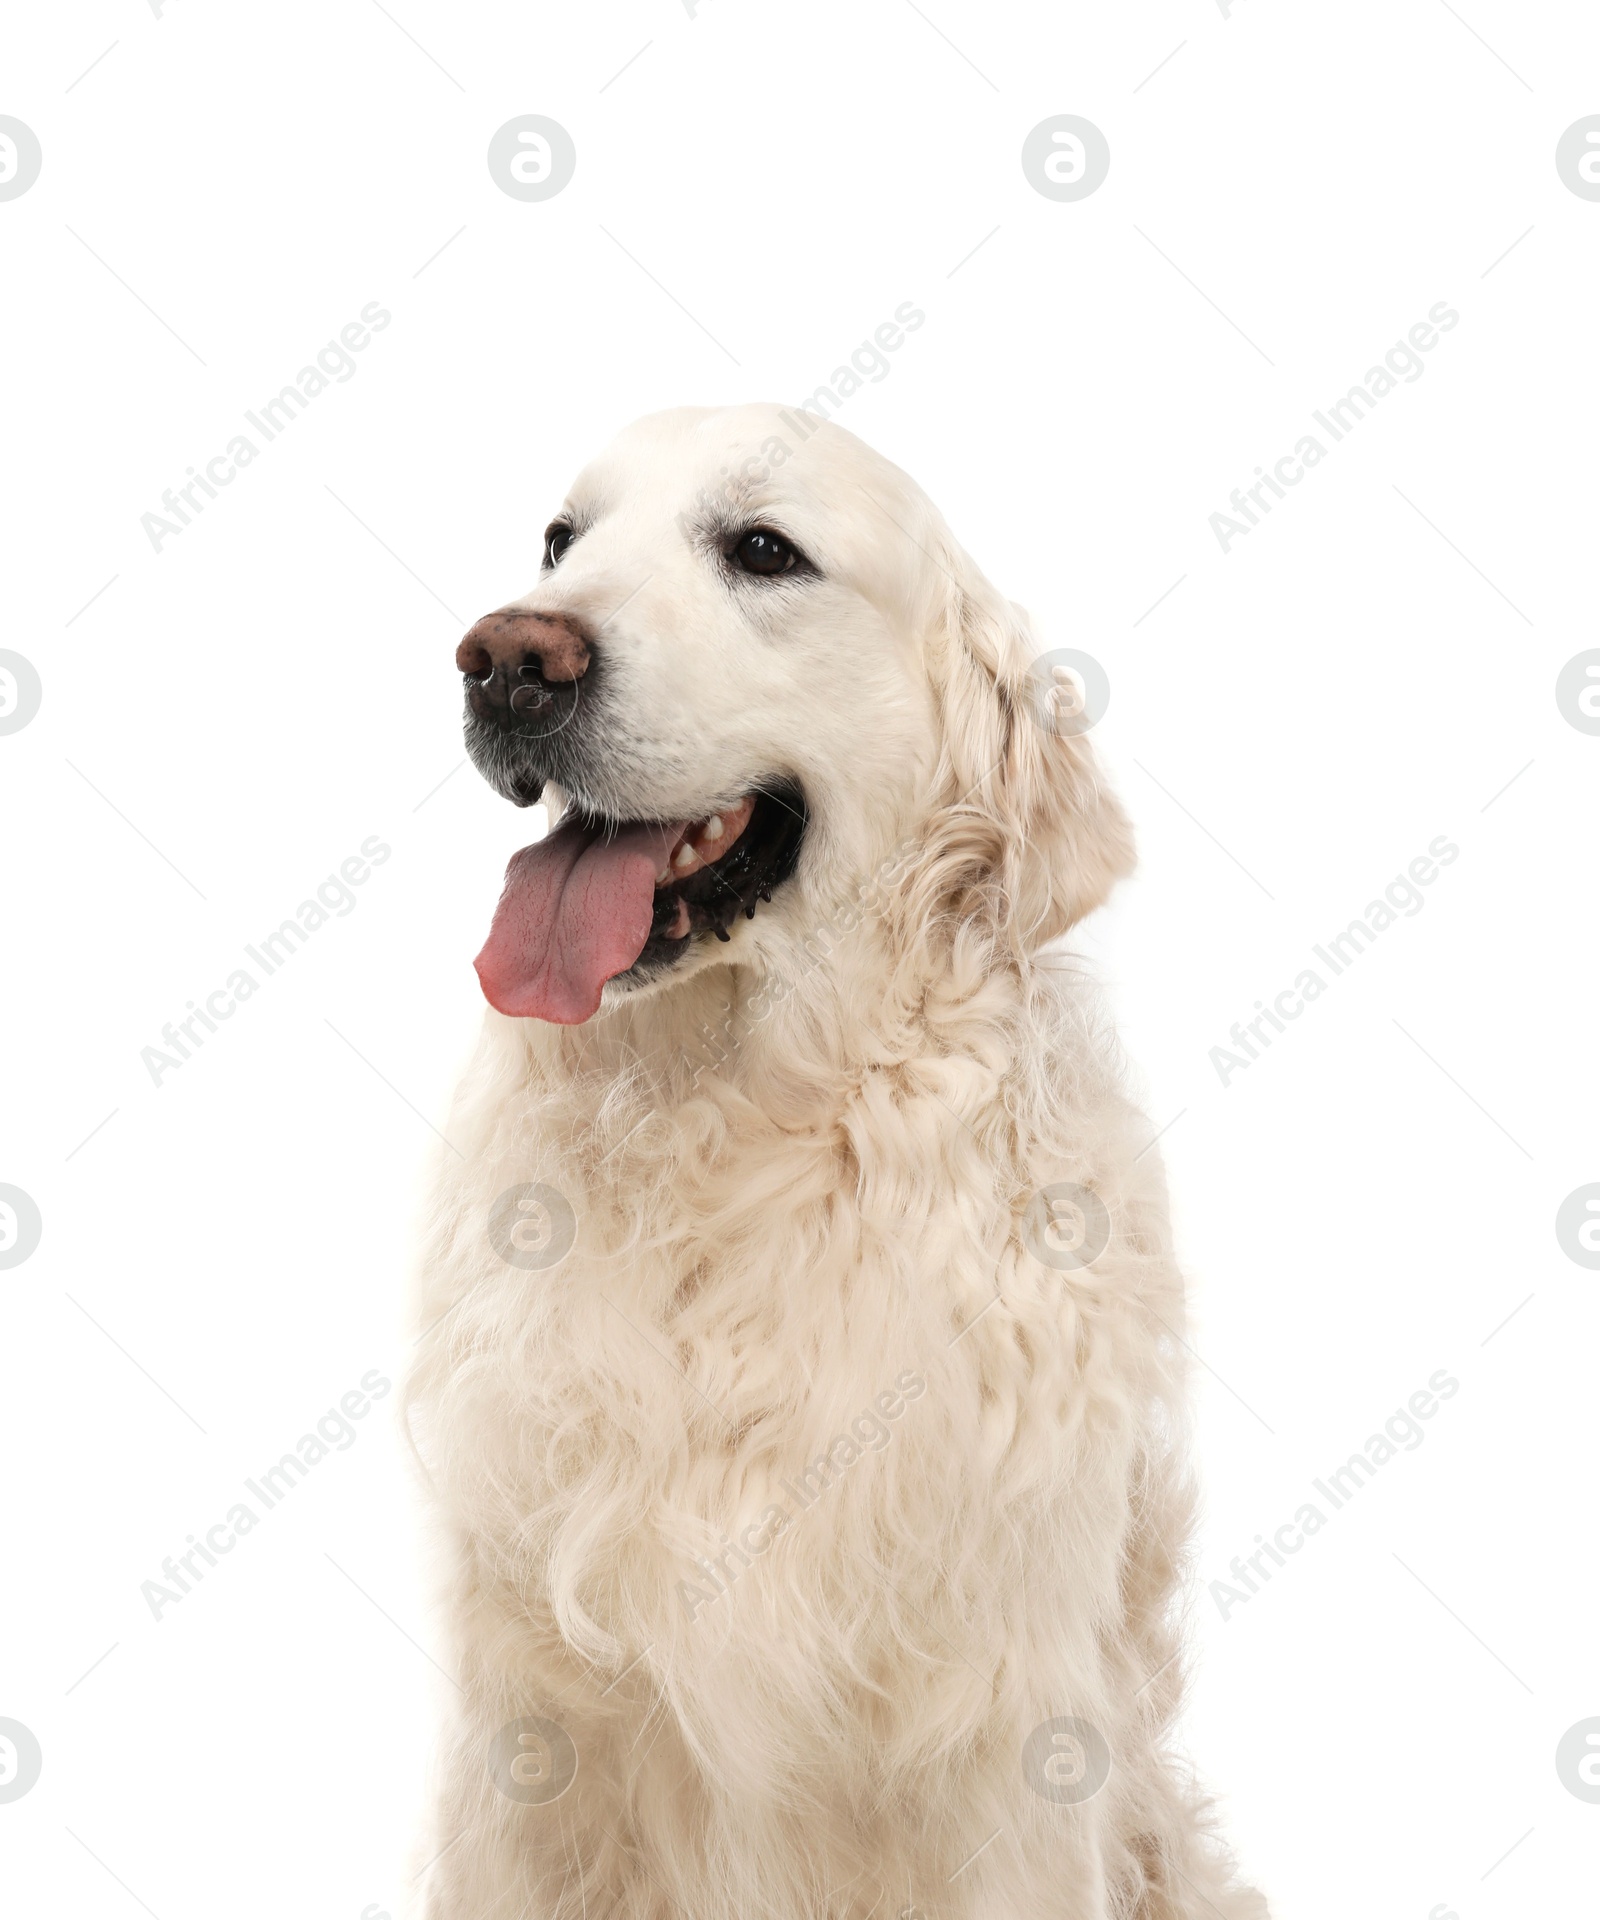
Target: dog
{"x": 800, "y": 1392}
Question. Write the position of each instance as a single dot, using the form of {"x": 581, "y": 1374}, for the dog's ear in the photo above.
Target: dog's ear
{"x": 1022, "y": 808}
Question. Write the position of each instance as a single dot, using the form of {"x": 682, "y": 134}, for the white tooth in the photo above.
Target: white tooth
{"x": 713, "y": 829}
{"x": 685, "y": 857}
{"x": 663, "y": 876}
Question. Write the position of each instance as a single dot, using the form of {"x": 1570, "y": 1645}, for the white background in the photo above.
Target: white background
{"x": 227, "y": 719}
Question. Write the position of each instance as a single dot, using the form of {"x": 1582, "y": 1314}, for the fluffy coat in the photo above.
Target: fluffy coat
{"x": 798, "y": 1644}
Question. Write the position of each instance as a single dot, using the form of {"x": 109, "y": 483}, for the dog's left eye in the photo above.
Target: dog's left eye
{"x": 557, "y": 538}
{"x": 765, "y": 552}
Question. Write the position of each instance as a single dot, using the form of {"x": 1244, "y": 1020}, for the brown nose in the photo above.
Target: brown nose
{"x": 516, "y": 658}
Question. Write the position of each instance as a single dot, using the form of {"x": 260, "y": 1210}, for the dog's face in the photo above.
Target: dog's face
{"x": 729, "y": 677}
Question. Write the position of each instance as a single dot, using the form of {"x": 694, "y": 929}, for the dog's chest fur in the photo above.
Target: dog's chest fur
{"x": 793, "y": 1397}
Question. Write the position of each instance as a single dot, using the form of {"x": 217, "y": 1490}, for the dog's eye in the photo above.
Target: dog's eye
{"x": 557, "y": 538}
{"x": 762, "y": 551}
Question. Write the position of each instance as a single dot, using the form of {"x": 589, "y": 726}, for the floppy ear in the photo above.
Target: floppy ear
{"x": 1024, "y": 818}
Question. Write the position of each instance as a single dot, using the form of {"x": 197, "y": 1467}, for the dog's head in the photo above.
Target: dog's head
{"x": 757, "y": 672}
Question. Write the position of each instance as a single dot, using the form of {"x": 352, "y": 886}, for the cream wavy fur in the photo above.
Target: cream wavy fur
{"x": 800, "y": 1169}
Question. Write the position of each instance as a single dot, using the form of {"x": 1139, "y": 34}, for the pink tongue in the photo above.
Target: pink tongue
{"x": 575, "y": 910}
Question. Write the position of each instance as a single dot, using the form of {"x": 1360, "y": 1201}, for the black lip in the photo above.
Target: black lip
{"x": 760, "y": 860}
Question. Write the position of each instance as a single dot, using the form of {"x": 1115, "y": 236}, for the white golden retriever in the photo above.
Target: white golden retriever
{"x": 800, "y": 1392}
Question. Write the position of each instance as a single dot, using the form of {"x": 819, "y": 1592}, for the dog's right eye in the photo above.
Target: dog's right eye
{"x": 557, "y": 538}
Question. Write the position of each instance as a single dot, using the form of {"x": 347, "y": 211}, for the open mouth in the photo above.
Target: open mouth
{"x": 598, "y": 899}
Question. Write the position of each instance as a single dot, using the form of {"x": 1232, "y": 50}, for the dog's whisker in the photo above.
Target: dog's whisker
{"x": 778, "y": 800}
